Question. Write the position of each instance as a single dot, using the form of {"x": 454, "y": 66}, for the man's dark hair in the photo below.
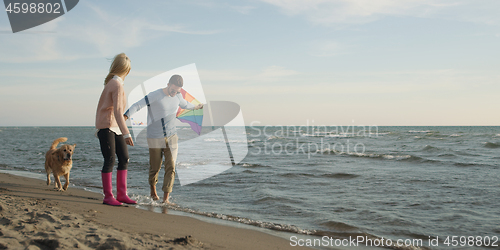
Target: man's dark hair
{"x": 176, "y": 80}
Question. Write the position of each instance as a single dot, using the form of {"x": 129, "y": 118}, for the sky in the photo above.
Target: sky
{"x": 285, "y": 62}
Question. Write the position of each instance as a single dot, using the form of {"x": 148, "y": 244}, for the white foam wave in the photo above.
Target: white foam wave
{"x": 312, "y": 135}
{"x": 247, "y": 221}
{"x": 328, "y": 135}
{"x": 273, "y": 137}
{"x": 235, "y": 141}
{"x": 381, "y": 133}
{"x": 189, "y": 164}
{"x": 212, "y": 139}
{"x": 340, "y": 135}
{"x": 144, "y": 200}
{"x": 368, "y": 155}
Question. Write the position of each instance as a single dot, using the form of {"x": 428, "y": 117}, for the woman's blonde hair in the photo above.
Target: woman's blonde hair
{"x": 119, "y": 67}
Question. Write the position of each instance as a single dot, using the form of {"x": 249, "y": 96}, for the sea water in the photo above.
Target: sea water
{"x": 380, "y": 182}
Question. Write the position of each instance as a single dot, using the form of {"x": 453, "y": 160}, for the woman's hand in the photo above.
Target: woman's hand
{"x": 199, "y": 106}
{"x": 129, "y": 141}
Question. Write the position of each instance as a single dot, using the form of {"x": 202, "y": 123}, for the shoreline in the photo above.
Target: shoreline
{"x": 176, "y": 210}
{"x": 36, "y": 214}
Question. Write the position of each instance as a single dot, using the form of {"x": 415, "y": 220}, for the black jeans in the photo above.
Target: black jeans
{"x": 112, "y": 144}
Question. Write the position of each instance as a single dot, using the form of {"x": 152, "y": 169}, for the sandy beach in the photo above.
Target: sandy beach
{"x": 35, "y": 216}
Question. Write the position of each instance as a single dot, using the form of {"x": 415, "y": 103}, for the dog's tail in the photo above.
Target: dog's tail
{"x": 57, "y": 141}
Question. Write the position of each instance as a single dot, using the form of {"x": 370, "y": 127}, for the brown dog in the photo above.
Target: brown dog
{"x": 59, "y": 162}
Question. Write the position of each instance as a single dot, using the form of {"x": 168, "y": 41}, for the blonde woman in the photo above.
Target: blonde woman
{"x": 113, "y": 133}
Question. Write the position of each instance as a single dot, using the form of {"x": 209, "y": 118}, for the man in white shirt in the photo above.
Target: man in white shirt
{"x": 162, "y": 134}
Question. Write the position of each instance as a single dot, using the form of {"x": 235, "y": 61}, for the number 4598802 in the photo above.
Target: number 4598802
{"x": 33, "y": 8}
{"x": 471, "y": 241}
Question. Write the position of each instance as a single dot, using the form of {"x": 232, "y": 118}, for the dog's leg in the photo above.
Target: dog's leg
{"x": 58, "y": 183}
{"x": 66, "y": 176}
{"x": 48, "y": 178}
{"x": 47, "y": 170}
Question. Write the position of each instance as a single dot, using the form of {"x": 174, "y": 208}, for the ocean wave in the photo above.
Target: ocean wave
{"x": 413, "y": 158}
{"x": 249, "y": 171}
{"x": 381, "y": 133}
{"x": 332, "y": 134}
{"x": 340, "y": 176}
{"x": 464, "y": 164}
{"x": 189, "y": 164}
{"x": 235, "y": 141}
{"x": 146, "y": 201}
{"x": 341, "y": 135}
{"x": 250, "y": 165}
{"x": 491, "y": 145}
{"x": 275, "y": 200}
{"x": 430, "y": 148}
{"x": 212, "y": 139}
{"x": 465, "y": 153}
{"x": 274, "y": 137}
{"x": 296, "y": 175}
{"x": 313, "y": 135}
{"x": 471, "y": 164}
{"x": 419, "y": 131}
{"x": 308, "y": 175}
{"x": 372, "y": 155}
{"x": 415, "y": 235}
{"x": 340, "y": 226}
{"x": 447, "y": 155}
{"x": 329, "y": 134}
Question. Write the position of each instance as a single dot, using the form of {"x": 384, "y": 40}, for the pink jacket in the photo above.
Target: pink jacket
{"x": 111, "y": 106}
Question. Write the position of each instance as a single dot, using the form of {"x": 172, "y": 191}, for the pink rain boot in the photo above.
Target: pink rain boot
{"x": 107, "y": 188}
{"x": 121, "y": 188}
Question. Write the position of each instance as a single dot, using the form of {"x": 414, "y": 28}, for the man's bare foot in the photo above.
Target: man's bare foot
{"x": 166, "y": 196}
{"x": 154, "y": 195}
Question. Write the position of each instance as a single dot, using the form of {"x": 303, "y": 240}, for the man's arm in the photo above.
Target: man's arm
{"x": 146, "y": 101}
{"x": 136, "y": 107}
{"x": 186, "y": 105}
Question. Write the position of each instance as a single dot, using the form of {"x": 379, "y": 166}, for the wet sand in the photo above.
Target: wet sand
{"x": 36, "y": 216}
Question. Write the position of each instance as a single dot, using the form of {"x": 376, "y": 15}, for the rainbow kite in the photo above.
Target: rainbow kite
{"x": 193, "y": 117}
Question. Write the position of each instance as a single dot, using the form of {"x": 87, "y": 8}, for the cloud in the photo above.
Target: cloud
{"x": 244, "y": 9}
{"x": 218, "y": 76}
{"x": 39, "y": 44}
{"x": 332, "y": 12}
{"x": 272, "y": 73}
{"x": 87, "y": 33}
{"x": 363, "y": 82}
{"x": 326, "y": 48}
